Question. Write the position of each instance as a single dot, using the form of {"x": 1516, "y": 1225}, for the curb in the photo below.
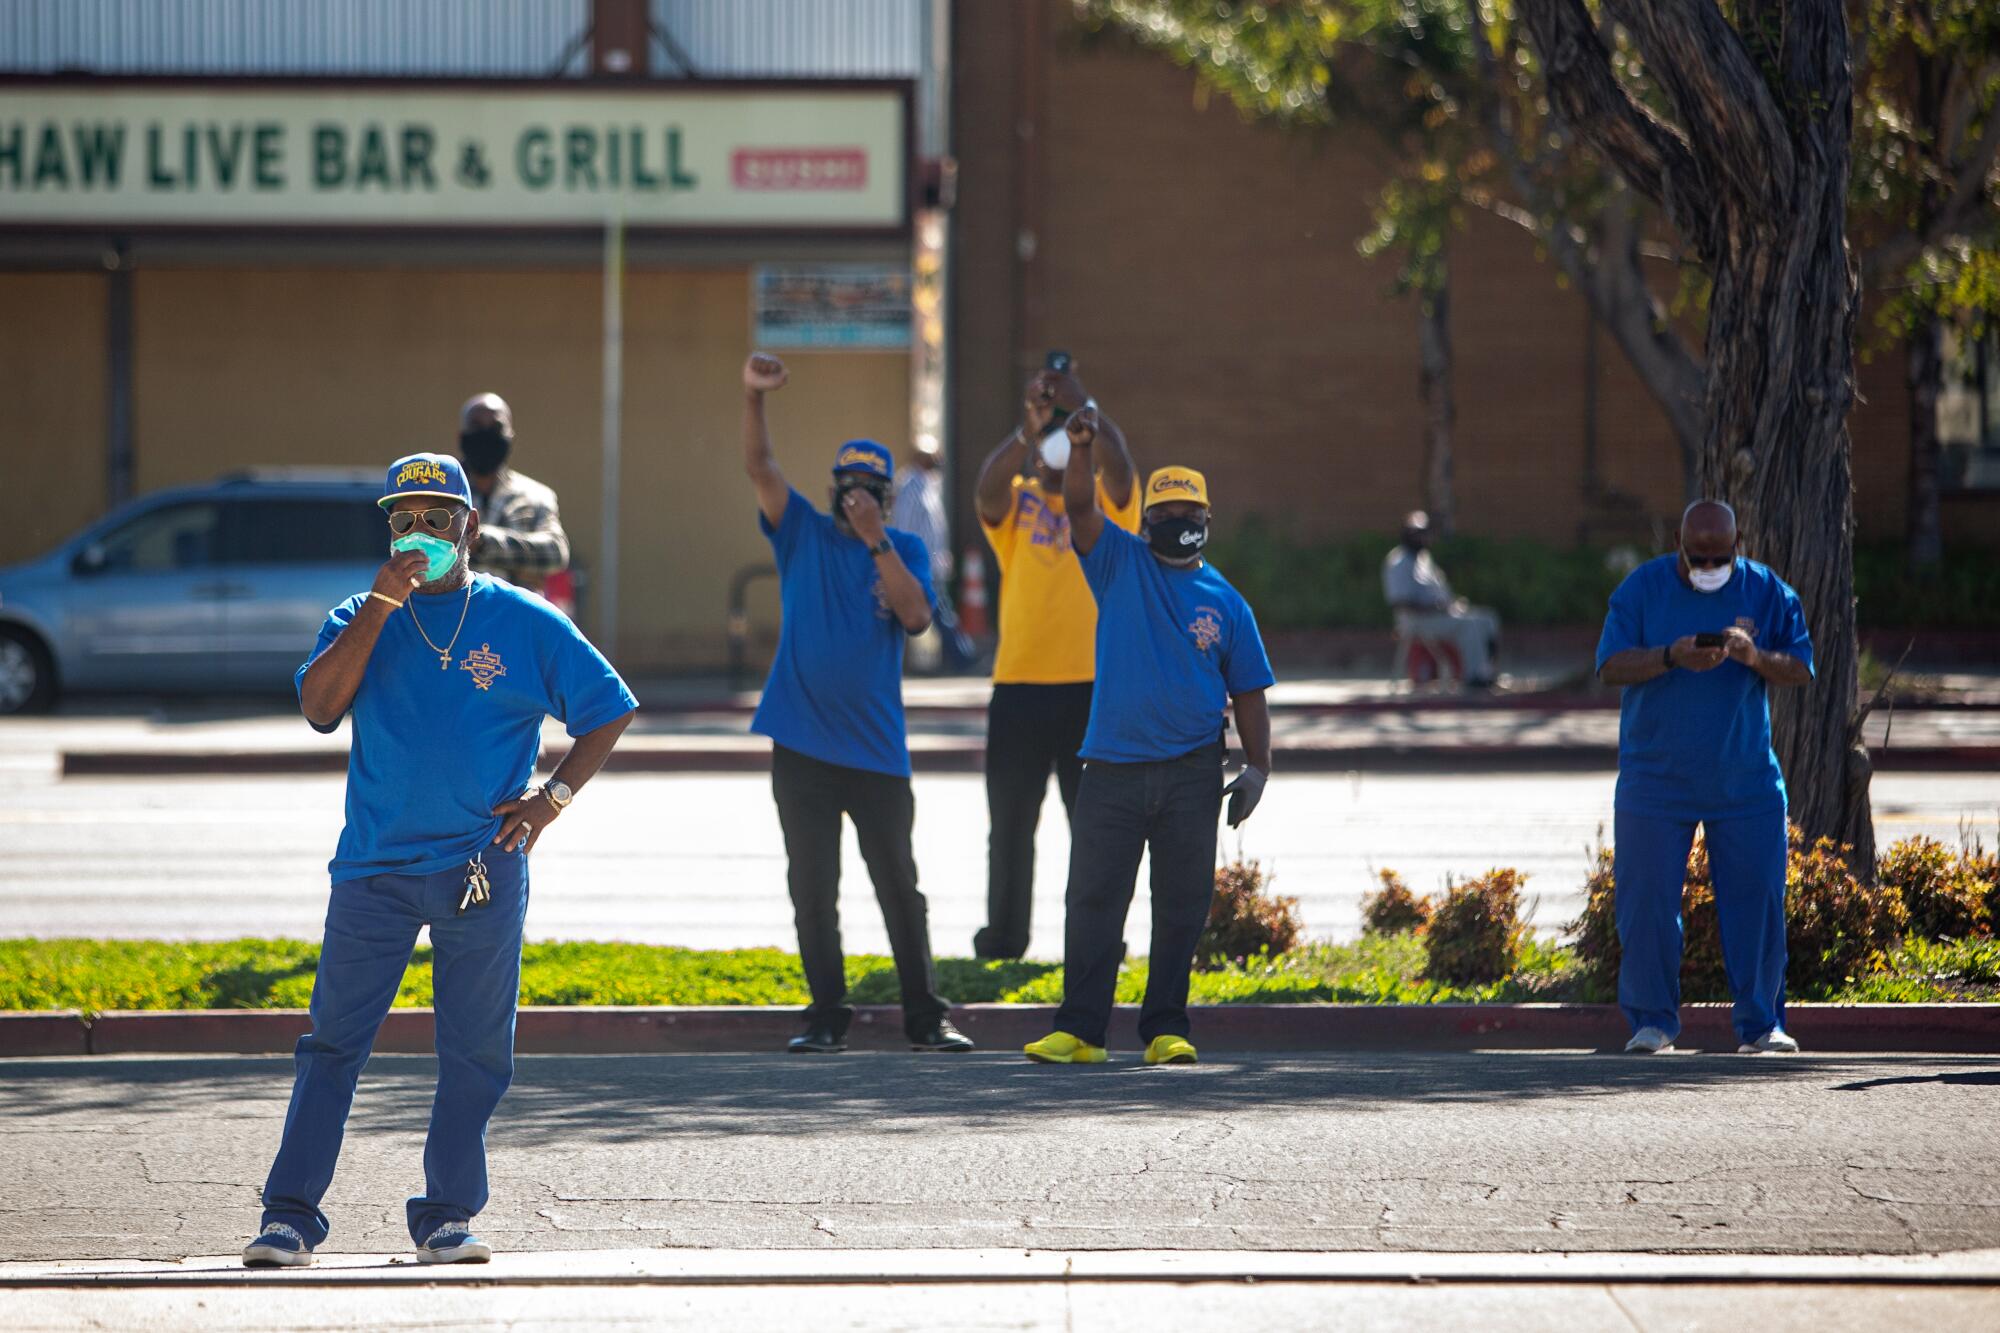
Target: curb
{"x": 589, "y": 1030}
{"x": 971, "y": 758}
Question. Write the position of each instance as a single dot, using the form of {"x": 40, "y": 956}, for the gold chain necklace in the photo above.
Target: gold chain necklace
{"x": 444, "y": 653}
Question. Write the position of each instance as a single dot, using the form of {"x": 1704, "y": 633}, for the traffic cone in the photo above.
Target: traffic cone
{"x": 972, "y": 594}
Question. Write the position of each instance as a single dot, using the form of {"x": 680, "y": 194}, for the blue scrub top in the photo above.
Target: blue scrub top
{"x": 836, "y": 686}
{"x": 436, "y": 747}
{"x": 1697, "y": 744}
{"x": 1172, "y": 645}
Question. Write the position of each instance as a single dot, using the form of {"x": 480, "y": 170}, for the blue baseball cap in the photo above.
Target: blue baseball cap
{"x": 426, "y": 474}
{"x": 865, "y": 456}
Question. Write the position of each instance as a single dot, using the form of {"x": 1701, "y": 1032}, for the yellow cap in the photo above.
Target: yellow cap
{"x": 1176, "y": 483}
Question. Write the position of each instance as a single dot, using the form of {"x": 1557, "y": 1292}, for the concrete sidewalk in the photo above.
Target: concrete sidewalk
{"x": 1445, "y": 735}
{"x": 1035, "y": 1290}
{"x": 1498, "y": 1153}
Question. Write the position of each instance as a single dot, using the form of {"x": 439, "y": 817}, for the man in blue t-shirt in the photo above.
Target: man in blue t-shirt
{"x": 448, "y": 676}
{"x": 1697, "y": 638}
{"x": 1176, "y": 648}
{"x": 851, "y": 590}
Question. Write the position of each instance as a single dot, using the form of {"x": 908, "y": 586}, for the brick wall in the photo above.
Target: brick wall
{"x": 1204, "y": 272}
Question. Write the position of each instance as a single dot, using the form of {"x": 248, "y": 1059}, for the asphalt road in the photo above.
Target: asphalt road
{"x": 1522, "y": 1152}
{"x": 697, "y": 859}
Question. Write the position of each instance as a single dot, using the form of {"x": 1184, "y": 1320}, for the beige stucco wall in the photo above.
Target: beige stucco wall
{"x": 51, "y": 408}
{"x": 236, "y": 367}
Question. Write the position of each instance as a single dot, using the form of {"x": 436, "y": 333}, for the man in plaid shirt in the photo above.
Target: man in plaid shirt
{"x": 520, "y": 537}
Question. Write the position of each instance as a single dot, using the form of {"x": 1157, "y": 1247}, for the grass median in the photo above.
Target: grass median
{"x": 99, "y": 975}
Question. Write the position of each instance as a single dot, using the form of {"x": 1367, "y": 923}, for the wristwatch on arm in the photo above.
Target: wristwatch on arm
{"x": 558, "y": 794}
{"x": 882, "y": 547}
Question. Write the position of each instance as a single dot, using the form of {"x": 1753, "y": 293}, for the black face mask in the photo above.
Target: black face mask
{"x": 484, "y": 451}
{"x": 840, "y": 523}
{"x": 1177, "y": 538}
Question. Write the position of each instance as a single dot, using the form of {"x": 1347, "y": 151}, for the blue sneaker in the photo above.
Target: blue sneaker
{"x": 454, "y": 1243}
{"x": 277, "y": 1246}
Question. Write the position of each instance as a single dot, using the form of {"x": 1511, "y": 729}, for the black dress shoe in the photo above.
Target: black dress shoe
{"x": 817, "y": 1040}
{"x": 940, "y": 1036}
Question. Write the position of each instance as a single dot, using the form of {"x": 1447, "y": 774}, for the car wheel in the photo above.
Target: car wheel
{"x": 27, "y": 673}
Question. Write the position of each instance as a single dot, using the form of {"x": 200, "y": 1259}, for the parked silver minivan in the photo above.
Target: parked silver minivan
{"x": 211, "y": 589}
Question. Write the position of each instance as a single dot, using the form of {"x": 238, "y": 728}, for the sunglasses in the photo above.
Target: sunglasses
{"x": 1707, "y": 561}
{"x": 437, "y": 520}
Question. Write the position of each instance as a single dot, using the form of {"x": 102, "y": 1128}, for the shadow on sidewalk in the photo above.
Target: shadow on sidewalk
{"x": 623, "y": 1098}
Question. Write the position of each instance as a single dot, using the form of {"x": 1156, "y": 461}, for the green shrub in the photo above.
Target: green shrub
{"x": 1476, "y": 934}
{"x": 1244, "y": 920}
{"x": 1942, "y": 889}
{"x": 1963, "y": 592}
{"x": 1837, "y": 930}
{"x": 1393, "y": 910}
{"x": 1336, "y": 582}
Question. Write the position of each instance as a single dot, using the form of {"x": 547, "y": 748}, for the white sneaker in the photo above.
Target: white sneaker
{"x": 1775, "y": 1042}
{"x": 1649, "y": 1041}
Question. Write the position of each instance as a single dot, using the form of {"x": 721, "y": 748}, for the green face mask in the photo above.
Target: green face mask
{"x": 442, "y": 555}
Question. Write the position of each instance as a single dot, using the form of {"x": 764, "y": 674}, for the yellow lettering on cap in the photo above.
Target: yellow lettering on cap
{"x": 866, "y": 457}
{"x": 422, "y": 471}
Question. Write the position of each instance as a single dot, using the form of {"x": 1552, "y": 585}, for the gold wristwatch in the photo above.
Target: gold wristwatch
{"x": 558, "y": 793}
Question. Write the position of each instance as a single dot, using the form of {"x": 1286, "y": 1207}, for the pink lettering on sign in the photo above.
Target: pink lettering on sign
{"x": 799, "y": 168}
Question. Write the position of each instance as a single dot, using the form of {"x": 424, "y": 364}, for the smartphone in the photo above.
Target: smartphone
{"x": 1708, "y": 640}
{"x": 1060, "y": 363}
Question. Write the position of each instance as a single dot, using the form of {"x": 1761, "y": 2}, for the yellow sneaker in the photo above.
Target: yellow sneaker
{"x": 1060, "y": 1048}
{"x": 1170, "y": 1051}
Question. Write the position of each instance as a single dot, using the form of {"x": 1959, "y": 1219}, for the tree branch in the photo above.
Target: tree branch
{"x": 1650, "y": 154}
{"x": 1734, "y": 125}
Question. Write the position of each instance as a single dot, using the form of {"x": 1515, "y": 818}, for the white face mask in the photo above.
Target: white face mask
{"x": 1055, "y": 449}
{"x": 1711, "y": 580}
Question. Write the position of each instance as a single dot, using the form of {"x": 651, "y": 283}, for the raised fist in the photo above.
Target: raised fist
{"x": 1082, "y": 428}
{"x": 1048, "y": 390}
{"x": 763, "y": 372}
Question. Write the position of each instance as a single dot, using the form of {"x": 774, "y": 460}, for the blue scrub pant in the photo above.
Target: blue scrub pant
{"x": 371, "y": 930}
{"x": 1746, "y": 858}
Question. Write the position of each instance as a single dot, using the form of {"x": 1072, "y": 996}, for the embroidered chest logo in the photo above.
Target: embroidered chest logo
{"x": 1748, "y": 626}
{"x": 882, "y": 608}
{"x": 1207, "y": 627}
{"x": 485, "y": 666}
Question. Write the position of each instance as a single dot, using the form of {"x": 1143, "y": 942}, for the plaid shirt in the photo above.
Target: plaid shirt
{"x": 520, "y": 538}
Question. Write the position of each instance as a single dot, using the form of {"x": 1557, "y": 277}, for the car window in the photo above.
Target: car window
{"x": 179, "y": 536}
{"x": 293, "y": 530}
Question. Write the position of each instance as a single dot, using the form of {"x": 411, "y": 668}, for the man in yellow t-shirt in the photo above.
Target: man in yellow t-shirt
{"x": 1047, "y": 659}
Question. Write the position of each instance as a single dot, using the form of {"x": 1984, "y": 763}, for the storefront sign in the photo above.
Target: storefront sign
{"x": 830, "y": 305}
{"x": 757, "y": 157}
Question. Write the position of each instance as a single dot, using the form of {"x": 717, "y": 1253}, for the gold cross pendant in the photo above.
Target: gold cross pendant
{"x": 444, "y": 661}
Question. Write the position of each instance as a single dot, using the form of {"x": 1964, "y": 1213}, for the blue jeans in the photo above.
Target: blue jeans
{"x": 1746, "y": 860}
{"x": 1121, "y": 811}
{"x": 371, "y": 930}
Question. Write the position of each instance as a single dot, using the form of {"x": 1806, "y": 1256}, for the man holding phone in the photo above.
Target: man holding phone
{"x": 1697, "y": 638}
{"x": 1046, "y": 661}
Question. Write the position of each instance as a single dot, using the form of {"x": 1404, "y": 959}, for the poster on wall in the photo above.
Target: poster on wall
{"x": 138, "y": 154}
{"x": 845, "y": 306}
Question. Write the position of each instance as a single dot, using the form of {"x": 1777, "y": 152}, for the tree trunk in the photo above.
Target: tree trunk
{"x": 1781, "y": 381}
{"x": 1434, "y": 382}
{"x": 1924, "y": 375}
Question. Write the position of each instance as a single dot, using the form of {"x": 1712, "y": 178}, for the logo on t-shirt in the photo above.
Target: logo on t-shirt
{"x": 1048, "y": 530}
{"x": 1748, "y": 626}
{"x": 1207, "y": 627}
{"x": 485, "y": 665}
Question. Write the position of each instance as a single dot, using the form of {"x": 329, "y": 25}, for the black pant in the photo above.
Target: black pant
{"x": 1120, "y": 809}
{"x": 1029, "y": 730}
{"x": 812, "y": 796}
